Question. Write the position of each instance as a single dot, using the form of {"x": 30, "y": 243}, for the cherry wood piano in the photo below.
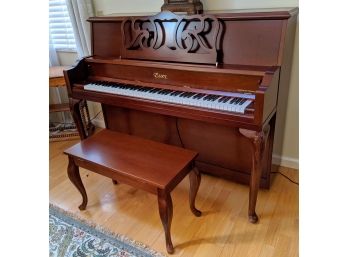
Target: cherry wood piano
{"x": 208, "y": 82}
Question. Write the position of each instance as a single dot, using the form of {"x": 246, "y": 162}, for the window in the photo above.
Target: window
{"x": 61, "y": 32}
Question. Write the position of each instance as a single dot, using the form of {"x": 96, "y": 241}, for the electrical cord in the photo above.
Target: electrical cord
{"x": 177, "y": 129}
{"x": 183, "y": 146}
{"x": 72, "y": 123}
{"x": 296, "y": 183}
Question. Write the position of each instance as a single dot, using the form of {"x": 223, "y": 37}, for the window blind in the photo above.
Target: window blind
{"x": 61, "y": 32}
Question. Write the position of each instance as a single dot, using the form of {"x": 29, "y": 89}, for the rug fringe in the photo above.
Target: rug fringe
{"x": 104, "y": 230}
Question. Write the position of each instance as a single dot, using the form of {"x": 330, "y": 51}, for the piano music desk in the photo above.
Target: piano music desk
{"x": 141, "y": 163}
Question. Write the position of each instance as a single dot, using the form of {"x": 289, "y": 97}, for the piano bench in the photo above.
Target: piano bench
{"x": 144, "y": 164}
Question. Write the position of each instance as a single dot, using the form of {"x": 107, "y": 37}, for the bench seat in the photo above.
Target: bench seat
{"x": 141, "y": 163}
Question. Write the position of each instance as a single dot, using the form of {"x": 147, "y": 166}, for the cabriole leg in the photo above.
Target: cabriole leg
{"x": 195, "y": 180}
{"x": 165, "y": 206}
{"x": 74, "y": 176}
{"x": 257, "y": 139}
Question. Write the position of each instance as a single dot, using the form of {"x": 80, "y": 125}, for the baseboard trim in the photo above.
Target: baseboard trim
{"x": 285, "y": 161}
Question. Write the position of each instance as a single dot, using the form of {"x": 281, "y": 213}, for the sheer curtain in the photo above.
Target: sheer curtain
{"x": 53, "y": 61}
{"x": 79, "y": 12}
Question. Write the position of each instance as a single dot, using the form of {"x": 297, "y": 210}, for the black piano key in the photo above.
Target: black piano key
{"x": 148, "y": 89}
{"x": 155, "y": 90}
{"x": 212, "y": 98}
{"x": 215, "y": 97}
{"x": 178, "y": 93}
{"x": 181, "y": 94}
{"x": 161, "y": 91}
{"x": 222, "y": 99}
{"x": 233, "y": 100}
{"x": 242, "y": 102}
{"x": 239, "y": 99}
{"x": 228, "y": 98}
{"x": 168, "y": 92}
{"x": 188, "y": 95}
{"x": 218, "y": 99}
{"x": 200, "y": 96}
{"x": 134, "y": 88}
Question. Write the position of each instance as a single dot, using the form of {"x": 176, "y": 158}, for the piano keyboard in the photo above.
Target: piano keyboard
{"x": 216, "y": 102}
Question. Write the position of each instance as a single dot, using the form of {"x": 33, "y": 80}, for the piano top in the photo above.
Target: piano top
{"x": 263, "y": 13}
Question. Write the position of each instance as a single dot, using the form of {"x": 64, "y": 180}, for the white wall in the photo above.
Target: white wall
{"x": 286, "y": 150}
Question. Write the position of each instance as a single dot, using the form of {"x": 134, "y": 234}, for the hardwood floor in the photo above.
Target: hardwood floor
{"x": 223, "y": 229}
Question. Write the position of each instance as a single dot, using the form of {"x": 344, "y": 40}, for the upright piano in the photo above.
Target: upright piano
{"x": 209, "y": 82}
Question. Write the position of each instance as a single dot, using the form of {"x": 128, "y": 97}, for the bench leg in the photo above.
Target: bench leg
{"x": 165, "y": 206}
{"x": 74, "y": 176}
{"x": 195, "y": 180}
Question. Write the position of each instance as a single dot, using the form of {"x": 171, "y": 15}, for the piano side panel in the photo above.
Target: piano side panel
{"x": 222, "y": 150}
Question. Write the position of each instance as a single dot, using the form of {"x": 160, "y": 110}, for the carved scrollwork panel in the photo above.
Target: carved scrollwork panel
{"x": 170, "y": 37}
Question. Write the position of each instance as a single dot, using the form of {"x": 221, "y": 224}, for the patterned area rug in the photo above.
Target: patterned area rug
{"x": 70, "y": 236}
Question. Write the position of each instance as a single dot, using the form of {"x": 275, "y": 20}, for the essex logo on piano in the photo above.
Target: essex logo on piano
{"x": 159, "y": 75}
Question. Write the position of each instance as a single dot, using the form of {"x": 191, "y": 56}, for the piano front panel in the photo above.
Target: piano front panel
{"x": 196, "y": 79}
{"x": 106, "y": 39}
{"x": 255, "y": 42}
{"x": 221, "y": 149}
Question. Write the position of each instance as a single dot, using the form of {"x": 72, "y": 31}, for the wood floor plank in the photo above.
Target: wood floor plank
{"x": 223, "y": 229}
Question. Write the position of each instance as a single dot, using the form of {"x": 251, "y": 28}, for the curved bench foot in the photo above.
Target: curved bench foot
{"x": 165, "y": 206}
{"x": 253, "y": 218}
{"x": 74, "y": 176}
{"x": 195, "y": 181}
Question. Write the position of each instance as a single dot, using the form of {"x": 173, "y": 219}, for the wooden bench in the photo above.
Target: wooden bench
{"x": 154, "y": 167}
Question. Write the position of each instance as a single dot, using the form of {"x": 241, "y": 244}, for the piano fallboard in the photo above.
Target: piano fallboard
{"x": 196, "y": 76}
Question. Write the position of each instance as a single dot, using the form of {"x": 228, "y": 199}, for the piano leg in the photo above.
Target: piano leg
{"x": 76, "y": 114}
{"x": 257, "y": 139}
{"x": 195, "y": 180}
